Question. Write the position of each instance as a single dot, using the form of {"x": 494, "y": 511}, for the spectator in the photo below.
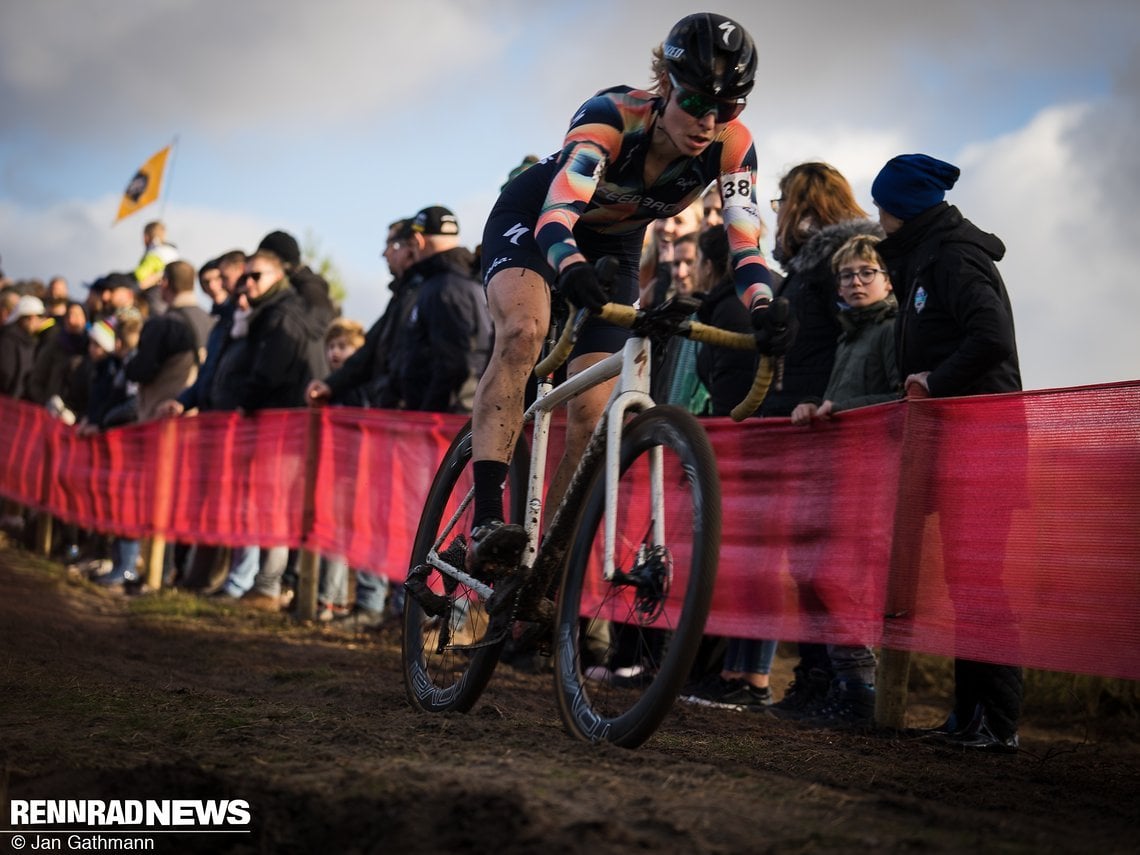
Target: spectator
{"x": 366, "y": 377}
{"x": 344, "y": 337}
{"x": 816, "y": 214}
{"x": 675, "y": 378}
{"x": 865, "y": 373}
{"x": 726, "y": 373}
{"x": 58, "y": 291}
{"x": 712, "y": 208}
{"x": 742, "y": 677}
{"x": 312, "y": 287}
{"x": 167, "y": 358}
{"x": 657, "y": 259}
{"x": 108, "y": 294}
{"x": 9, "y": 297}
{"x": 274, "y": 370}
{"x": 156, "y": 255}
{"x": 218, "y": 388}
{"x": 446, "y": 339}
{"x": 211, "y": 283}
{"x": 955, "y": 336}
{"x": 18, "y": 346}
{"x": 56, "y": 372}
{"x": 112, "y": 403}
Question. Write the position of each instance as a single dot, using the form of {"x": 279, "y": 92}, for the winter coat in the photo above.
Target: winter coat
{"x": 955, "y": 317}
{"x": 365, "y": 379}
{"x": 56, "y": 366}
{"x": 865, "y": 370}
{"x": 17, "y": 358}
{"x": 811, "y": 290}
{"x": 166, "y": 360}
{"x": 725, "y": 372}
{"x": 199, "y": 395}
{"x": 445, "y": 343}
{"x": 276, "y": 363}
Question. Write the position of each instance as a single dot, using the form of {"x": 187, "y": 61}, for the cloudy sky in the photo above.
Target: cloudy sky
{"x": 331, "y": 119}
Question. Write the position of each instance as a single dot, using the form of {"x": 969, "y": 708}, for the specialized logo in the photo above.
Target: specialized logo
{"x": 919, "y": 299}
{"x": 581, "y": 115}
{"x": 674, "y": 52}
{"x": 502, "y": 259}
{"x": 515, "y": 232}
{"x": 727, "y": 27}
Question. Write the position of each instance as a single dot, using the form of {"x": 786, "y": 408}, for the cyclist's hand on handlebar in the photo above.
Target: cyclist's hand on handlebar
{"x": 580, "y": 284}
{"x": 774, "y": 326}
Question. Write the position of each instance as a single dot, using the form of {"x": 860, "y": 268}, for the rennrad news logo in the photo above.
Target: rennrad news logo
{"x": 154, "y": 813}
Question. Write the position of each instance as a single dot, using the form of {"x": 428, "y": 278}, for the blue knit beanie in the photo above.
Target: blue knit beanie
{"x": 911, "y": 183}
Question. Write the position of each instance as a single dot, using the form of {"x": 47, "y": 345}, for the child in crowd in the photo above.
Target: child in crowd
{"x": 865, "y": 372}
{"x": 342, "y": 339}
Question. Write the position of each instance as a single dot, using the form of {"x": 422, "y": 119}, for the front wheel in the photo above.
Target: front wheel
{"x": 448, "y": 658}
{"x": 624, "y": 647}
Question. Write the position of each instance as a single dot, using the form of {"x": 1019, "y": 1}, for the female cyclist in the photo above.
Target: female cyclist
{"x": 630, "y": 156}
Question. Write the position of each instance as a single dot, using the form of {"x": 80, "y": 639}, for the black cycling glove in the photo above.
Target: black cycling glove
{"x": 774, "y": 326}
{"x": 580, "y": 285}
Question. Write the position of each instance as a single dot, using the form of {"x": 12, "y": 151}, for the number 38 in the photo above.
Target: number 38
{"x": 734, "y": 186}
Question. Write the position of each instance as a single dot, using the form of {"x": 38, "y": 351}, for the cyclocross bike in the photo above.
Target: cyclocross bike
{"x": 619, "y": 585}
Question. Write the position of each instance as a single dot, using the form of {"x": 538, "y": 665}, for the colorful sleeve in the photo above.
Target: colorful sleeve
{"x": 595, "y": 135}
{"x": 737, "y": 184}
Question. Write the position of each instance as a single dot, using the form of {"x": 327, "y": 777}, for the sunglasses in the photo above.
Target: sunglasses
{"x": 252, "y": 276}
{"x": 699, "y": 105}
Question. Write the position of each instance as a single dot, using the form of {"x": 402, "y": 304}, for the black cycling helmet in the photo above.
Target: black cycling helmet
{"x": 693, "y": 47}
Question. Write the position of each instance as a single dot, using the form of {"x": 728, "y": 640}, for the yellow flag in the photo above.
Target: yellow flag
{"x": 144, "y": 187}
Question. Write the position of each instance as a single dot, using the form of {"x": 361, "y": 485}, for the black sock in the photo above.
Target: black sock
{"x": 489, "y": 478}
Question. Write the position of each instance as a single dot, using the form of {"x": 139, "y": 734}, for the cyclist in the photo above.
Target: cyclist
{"x": 630, "y": 156}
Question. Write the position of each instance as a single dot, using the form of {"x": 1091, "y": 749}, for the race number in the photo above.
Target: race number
{"x": 736, "y": 189}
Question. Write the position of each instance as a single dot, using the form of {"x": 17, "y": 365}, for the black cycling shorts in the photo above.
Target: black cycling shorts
{"x": 508, "y": 242}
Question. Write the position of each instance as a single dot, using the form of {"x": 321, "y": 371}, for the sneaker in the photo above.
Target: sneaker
{"x": 495, "y": 548}
{"x": 725, "y": 694}
{"x": 847, "y": 705}
{"x": 359, "y": 620}
{"x": 983, "y": 739}
{"x": 955, "y": 724}
{"x": 260, "y": 602}
{"x": 636, "y": 676}
{"x": 331, "y": 611}
{"x": 805, "y": 695}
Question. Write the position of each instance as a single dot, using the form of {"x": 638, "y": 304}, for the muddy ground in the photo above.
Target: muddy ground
{"x": 170, "y": 696}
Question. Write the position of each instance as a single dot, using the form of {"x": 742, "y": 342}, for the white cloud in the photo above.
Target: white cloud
{"x": 74, "y": 239}
{"x": 1071, "y": 238}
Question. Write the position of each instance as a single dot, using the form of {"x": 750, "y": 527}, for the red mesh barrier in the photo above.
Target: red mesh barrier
{"x": 1002, "y": 528}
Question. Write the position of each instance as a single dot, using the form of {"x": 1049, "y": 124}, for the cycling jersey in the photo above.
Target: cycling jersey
{"x": 593, "y": 193}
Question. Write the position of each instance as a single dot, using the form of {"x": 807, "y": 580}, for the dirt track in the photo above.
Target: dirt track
{"x": 172, "y": 697}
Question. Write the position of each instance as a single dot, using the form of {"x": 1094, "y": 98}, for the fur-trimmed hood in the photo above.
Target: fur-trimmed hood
{"x": 823, "y": 244}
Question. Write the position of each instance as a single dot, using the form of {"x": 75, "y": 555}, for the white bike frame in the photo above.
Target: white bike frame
{"x": 631, "y": 393}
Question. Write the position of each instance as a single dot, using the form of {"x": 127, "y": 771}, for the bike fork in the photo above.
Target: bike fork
{"x": 631, "y": 393}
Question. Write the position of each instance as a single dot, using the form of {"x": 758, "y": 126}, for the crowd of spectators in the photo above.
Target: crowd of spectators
{"x": 263, "y": 333}
{"x": 139, "y": 346}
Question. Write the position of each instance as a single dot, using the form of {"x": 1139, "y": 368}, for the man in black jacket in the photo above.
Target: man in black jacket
{"x": 446, "y": 341}
{"x": 365, "y": 379}
{"x": 18, "y": 346}
{"x": 955, "y": 336}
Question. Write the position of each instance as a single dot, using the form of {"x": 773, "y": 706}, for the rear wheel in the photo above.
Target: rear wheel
{"x": 448, "y": 658}
{"x": 624, "y": 647}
